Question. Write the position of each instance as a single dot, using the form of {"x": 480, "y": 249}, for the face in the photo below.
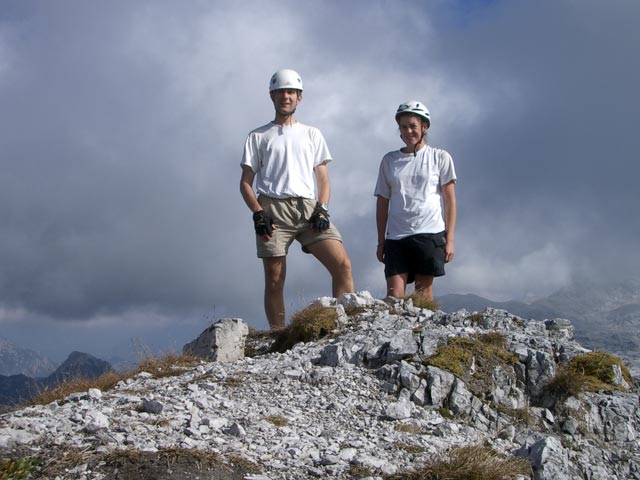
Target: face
{"x": 411, "y": 129}
{"x": 286, "y": 100}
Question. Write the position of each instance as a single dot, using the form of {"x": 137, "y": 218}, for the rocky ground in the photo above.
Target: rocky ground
{"x": 358, "y": 403}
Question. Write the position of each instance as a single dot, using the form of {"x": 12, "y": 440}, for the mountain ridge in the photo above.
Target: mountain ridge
{"x": 605, "y": 317}
{"x": 368, "y": 398}
{"x": 15, "y": 360}
{"x": 19, "y": 389}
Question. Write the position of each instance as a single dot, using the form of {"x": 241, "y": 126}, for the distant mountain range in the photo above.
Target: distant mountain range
{"x": 17, "y": 389}
{"x": 606, "y": 317}
{"x": 15, "y": 360}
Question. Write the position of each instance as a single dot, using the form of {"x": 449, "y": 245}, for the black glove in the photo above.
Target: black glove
{"x": 319, "y": 219}
{"x": 262, "y": 223}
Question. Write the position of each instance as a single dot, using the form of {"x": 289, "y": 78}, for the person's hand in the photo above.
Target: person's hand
{"x": 380, "y": 252}
{"x": 319, "y": 219}
{"x": 263, "y": 224}
{"x": 448, "y": 251}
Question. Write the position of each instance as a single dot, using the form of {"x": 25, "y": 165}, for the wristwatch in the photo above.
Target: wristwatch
{"x": 324, "y": 207}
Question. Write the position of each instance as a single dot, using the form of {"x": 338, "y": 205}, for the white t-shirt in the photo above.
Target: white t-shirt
{"x": 283, "y": 158}
{"x": 413, "y": 187}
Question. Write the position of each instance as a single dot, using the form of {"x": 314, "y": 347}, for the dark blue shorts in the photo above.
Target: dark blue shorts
{"x": 421, "y": 254}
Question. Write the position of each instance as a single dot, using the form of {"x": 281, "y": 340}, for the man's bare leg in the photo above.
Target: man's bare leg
{"x": 396, "y": 285}
{"x": 333, "y": 256}
{"x": 424, "y": 287}
{"x": 275, "y": 271}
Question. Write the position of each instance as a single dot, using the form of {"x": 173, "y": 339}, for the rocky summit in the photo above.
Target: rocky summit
{"x": 391, "y": 388}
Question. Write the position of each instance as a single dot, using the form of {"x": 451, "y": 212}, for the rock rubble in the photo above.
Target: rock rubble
{"x": 365, "y": 399}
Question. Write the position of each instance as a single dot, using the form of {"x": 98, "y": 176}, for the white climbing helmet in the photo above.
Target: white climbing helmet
{"x": 285, "y": 79}
{"x": 415, "y": 107}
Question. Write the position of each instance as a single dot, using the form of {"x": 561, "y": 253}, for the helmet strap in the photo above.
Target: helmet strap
{"x": 415, "y": 147}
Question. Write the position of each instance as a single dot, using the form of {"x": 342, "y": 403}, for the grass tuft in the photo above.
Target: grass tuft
{"x": 277, "y": 420}
{"x": 589, "y": 372}
{"x": 168, "y": 365}
{"x": 104, "y": 382}
{"x": 307, "y": 325}
{"x": 408, "y": 428}
{"x": 14, "y": 469}
{"x": 599, "y": 365}
{"x": 469, "y": 463}
{"x": 473, "y": 359}
{"x": 421, "y": 302}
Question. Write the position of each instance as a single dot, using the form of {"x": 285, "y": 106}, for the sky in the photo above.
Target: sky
{"x": 122, "y": 229}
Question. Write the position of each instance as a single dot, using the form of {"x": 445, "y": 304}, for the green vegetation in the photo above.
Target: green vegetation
{"x": 474, "y": 359}
{"x": 15, "y": 469}
{"x": 307, "y": 325}
{"x": 590, "y": 372}
{"x": 599, "y": 365}
{"x": 445, "y": 412}
{"x": 469, "y": 463}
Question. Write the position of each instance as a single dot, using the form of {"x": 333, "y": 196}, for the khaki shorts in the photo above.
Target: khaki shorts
{"x": 291, "y": 216}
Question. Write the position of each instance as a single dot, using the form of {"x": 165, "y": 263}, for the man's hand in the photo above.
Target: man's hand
{"x": 263, "y": 224}
{"x": 319, "y": 219}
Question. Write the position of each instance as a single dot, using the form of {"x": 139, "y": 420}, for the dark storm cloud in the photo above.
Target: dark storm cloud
{"x": 122, "y": 125}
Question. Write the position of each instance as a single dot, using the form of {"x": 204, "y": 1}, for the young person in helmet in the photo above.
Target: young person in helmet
{"x": 288, "y": 162}
{"x": 416, "y": 207}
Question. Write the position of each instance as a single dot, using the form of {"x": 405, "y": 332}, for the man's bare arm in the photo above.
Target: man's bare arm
{"x": 246, "y": 189}
{"x": 324, "y": 185}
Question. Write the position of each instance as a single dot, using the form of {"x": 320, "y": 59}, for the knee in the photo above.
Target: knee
{"x": 274, "y": 283}
{"x": 343, "y": 267}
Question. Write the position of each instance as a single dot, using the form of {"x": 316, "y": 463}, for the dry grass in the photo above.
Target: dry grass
{"x": 456, "y": 357}
{"x": 307, "y": 325}
{"x": 408, "y": 428}
{"x": 104, "y": 382}
{"x": 277, "y": 420}
{"x": 599, "y": 365}
{"x": 359, "y": 471}
{"x": 421, "y": 302}
{"x": 469, "y": 463}
{"x": 590, "y": 372}
{"x": 167, "y": 456}
{"x": 241, "y": 462}
{"x": 566, "y": 383}
{"x": 409, "y": 448}
{"x": 474, "y": 360}
{"x": 354, "y": 310}
{"x": 167, "y": 365}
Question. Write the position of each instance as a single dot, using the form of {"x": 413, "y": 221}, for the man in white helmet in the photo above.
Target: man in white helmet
{"x": 288, "y": 162}
{"x": 416, "y": 207}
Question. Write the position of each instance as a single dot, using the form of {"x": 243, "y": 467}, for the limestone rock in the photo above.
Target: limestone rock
{"x": 223, "y": 341}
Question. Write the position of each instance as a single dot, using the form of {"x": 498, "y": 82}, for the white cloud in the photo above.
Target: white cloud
{"x": 534, "y": 274}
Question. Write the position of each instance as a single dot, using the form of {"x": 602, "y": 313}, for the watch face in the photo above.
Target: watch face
{"x": 324, "y": 207}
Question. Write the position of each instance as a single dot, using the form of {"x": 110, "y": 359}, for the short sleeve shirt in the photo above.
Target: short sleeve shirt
{"x": 283, "y": 158}
{"x": 413, "y": 187}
